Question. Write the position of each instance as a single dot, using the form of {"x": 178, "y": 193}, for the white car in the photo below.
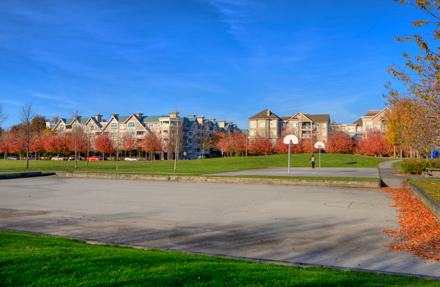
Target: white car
{"x": 58, "y": 158}
{"x": 132, "y": 158}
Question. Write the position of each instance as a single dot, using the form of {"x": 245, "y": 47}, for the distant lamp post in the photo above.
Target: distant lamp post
{"x": 290, "y": 139}
{"x": 319, "y": 145}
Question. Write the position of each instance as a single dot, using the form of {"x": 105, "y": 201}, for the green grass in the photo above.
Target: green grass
{"x": 206, "y": 166}
{"x": 397, "y": 165}
{"x": 432, "y": 187}
{"x": 38, "y": 260}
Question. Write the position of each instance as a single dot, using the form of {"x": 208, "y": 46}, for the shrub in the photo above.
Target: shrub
{"x": 417, "y": 166}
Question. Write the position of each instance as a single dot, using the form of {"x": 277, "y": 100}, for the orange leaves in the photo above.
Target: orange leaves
{"x": 420, "y": 232}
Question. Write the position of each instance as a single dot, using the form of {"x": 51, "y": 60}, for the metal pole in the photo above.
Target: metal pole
{"x": 246, "y": 145}
{"x": 319, "y": 157}
{"x": 289, "y": 159}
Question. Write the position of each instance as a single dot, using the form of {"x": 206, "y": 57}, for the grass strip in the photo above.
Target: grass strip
{"x": 205, "y": 166}
{"x": 431, "y": 186}
{"x": 38, "y": 260}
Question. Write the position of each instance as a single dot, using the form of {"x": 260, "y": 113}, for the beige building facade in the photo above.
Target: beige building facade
{"x": 304, "y": 126}
{"x": 374, "y": 120}
{"x": 192, "y": 129}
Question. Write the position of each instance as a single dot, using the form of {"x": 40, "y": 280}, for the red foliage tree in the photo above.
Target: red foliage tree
{"x": 375, "y": 143}
{"x": 340, "y": 142}
{"x": 307, "y": 145}
{"x": 282, "y": 148}
{"x": 152, "y": 144}
{"x": 104, "y": 144}
{"x": 57, "y": 144}
{"x": 260, "y": 145}
{"x": 128, "y": 143}
{"x": 81, "y": 143}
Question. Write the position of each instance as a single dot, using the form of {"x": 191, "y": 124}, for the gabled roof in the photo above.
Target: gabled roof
{"x": 319, "y": 118}
{"x": 358, "y": 122}
{"x": 263, "y": 115}
{"x": 379, "y": 113}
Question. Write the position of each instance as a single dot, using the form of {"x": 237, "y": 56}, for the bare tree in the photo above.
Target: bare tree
{"x": 3, "y": 116}
{"x": 77, "y": 132}
{"x": 27, "y": 113}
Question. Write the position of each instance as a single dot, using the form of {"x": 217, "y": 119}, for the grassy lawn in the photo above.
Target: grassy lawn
{"x": 38, "y": 260}
{"x": 432, "y": 187}
{"x": 207, "y": 166}
{"x": 397, "y": 165}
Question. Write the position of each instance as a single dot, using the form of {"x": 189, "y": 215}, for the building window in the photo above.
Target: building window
{"x": 376, "y": 128}
{"x": 351, "y": 129}
{"x": 261, "y": 133}
{"x": 114, "y": 126}
{"x": 273, "y": 133}
{"x": 130, "y": 126}
{"x": 324, "y": 125}
{"x": 324, "y": 133}
{"x": 131, "y": 134}
{"x": 62, "y": 127}
{"x": 253, "y": 133}
{"x": 293, "y": 125}
{"x": 114, "y": 134}
{"x": 273, "y": 124}
{"x": 358, "y": 129}
{"x": 253, "y": 124}
{"x": 122, "y": 126}
{"x": 91, "y": 127}
{"x": 150, "y": 125}
{"x": 262, "y": 125}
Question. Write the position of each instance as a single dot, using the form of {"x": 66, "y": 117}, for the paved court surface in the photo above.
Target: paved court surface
{"x": 308, "y": 171}
{"x": 317, "y": 225}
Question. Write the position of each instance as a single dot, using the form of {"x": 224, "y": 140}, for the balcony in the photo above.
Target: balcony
{"x": 306, "y": 127}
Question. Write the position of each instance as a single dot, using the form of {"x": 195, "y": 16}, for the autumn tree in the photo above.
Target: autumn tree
{"x": 340, "y": 142}
{"x": 57, "y": 144}
{"x": 77, "y": 132}
{"x": 260, "y": 145}
{"x": 375, "y": 143}
{"x": 27, "y": 114}
{"x": 421, "y": 74}
{"x": 152, "y": 144}
{"x": 104, "y": 144}
{"x": 128, "y": 143}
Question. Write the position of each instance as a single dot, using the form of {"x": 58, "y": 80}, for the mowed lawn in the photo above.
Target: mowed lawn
{"x": 38, "y": 260}
{"x": 205, "y": 166}
{"x": 431, "y": 186}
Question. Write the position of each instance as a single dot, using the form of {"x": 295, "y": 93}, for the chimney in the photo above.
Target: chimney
{"x": 98, "y": 118}
{"x": 114, "y": 115}
{"x": 268, "y": 112}
{"x": 191, "y": 116}
{"x": 76, "y": 117}
{"x": 139, "y": 115}
{"x": 174, "y": 115}
{"x": 221, "y": 124}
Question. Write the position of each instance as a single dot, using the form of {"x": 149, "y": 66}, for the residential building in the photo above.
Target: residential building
{"x": 193, "y": 130}
{"x": 373, "y": 120}
{"x": 304, "y": 126}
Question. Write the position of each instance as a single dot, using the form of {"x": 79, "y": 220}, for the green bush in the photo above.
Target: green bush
{"x": 417, "y": 166}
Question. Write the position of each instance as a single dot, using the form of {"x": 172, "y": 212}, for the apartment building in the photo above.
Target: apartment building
{"x": 192, "y": 129}
{"x": 373, "y": 120}
{"x": 304, "y": 126}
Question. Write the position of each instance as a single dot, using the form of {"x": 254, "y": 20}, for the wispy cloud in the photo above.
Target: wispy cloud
{"x": 235, "y": 13}
{"x": 12, "y": 102}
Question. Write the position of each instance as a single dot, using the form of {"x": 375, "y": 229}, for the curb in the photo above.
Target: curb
{"x": 231, "y": 180}
{"x": 430, "y": 202}
{"x": 23, "y": 174}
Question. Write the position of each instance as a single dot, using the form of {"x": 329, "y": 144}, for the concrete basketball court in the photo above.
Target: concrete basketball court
{"x": 315, "y": 225}
{"x": 308, "y": 171}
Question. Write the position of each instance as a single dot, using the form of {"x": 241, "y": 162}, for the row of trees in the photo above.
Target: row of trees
{"x": 414, "y": 120}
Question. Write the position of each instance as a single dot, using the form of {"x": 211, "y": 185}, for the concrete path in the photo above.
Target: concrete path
{"x": 389, "y": 174}
{"x": 315, "y": 225}
{"x": 306, "y": 171}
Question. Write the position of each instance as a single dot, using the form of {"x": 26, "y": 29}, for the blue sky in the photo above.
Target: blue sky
{"x": 224, "y": 59}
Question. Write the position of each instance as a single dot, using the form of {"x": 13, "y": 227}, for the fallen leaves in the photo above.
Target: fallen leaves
{"x": 419, "y": 232}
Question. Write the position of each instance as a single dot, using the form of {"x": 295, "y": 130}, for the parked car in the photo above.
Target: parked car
{"x": 72, "y": 157}
{"x": 32, "y": 157}
{"x": 58, "y": 158}
{"x": 13, "y": 158}
{"x": 132, "y": 158}
{"x": 95, "y": 158}
{"x": 100, "y": 156}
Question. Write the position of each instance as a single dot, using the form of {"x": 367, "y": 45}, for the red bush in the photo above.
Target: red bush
{"x": 340, "y": 142}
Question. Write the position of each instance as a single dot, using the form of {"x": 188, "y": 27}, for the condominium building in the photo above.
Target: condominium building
{"x": 192, "y": 129}
{"x": 304, "y": 126}
{"x": 374, "y": 120}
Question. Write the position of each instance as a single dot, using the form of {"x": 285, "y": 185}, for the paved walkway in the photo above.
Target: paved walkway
{"x": 314, "y": 225}
{"x": 308, "y": 172}
{"x": 391, "y": 178}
